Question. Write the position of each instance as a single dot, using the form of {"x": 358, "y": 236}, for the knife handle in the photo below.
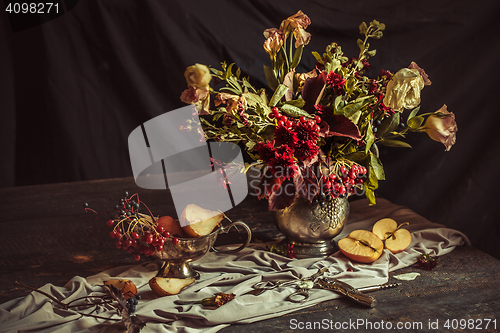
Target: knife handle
{"x": 347, "y": 290}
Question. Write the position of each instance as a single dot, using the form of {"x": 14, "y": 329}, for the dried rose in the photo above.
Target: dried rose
{"x": 192, "y": 95}
{"x": 274, "y": 41}
{"x": 296, "y": 21}
{"x": 199, "y": 97}
{"x": 403, "y": 90}
{"x": 198, "y": 76}
{"x": 441, "y": 127}
{"x": 231, "y": 101}
{"x": 301, "y": 37}
{"x": 414, "y": 65}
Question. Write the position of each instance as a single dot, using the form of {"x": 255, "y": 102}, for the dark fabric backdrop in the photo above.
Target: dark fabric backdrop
{"x": 73, "y": 88}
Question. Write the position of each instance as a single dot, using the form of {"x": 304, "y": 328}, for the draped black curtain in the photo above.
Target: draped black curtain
{"x": 73, "y": 88}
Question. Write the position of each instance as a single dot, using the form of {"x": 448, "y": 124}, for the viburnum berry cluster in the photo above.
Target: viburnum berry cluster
{"x": 135, "y": 232}
{"x": 350, "y": 180}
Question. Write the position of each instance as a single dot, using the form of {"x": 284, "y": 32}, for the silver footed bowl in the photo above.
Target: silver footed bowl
{"x": 177, "y": 256}
{"x": 311, "y": 227}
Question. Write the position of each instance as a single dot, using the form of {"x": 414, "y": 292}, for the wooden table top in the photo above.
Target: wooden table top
{"x": 46, "y": 237}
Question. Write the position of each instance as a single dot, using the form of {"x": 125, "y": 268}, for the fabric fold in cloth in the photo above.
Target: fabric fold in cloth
{"x": 232, "y": 273}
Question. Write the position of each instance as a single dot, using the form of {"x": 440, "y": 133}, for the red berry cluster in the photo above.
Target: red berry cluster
{"x": 135, "y": 232}
{"x": 345, "y": 183}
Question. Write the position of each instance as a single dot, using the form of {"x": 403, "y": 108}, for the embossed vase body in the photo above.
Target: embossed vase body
{"x": 311, "y": 227}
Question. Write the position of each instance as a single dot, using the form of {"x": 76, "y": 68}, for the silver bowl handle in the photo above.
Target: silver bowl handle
{"x": 225, "y": 230}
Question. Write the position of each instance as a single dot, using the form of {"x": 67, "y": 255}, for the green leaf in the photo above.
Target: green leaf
{"x": 230, "y": 90}
{"x": 377, "y": 35}
{"x": 257, "y": 102}
{"x": 229, "y": 70}
{"x": 271, "y": 79}
{"x": 278, "y": 95}
{"x": 294, "y": 111}
{"x": 296, "y": 57}
{"x": 217, "y": 72}
{"x": 388, "y": 125}
{"x": 394, "y": 143}
{"x": 371, "y": 53}
{"x": 349, "y": 85}
{"x": 247, "y": 85}
{"x": 250, "y": 144}
{"x": 363, "y": 28}
{"x": 370, "y": 138}
{"x": 377, "y": 167}
{"x": 217, "y": 116}
{"x": 238, "y": 72}
{"x": 415, "y": 122}
{"x": 413, "y": 113}
{"x": 371, "y": 184}
{"x": 361, "y": 45}
{"x": 337, "y": 103}
{"x": 350, "y": 109}
{"x": 235, "y": 84}
{"x": 332, "y": 65}
{"x": 318, "y": 57}
{"x": 297, "y": 102}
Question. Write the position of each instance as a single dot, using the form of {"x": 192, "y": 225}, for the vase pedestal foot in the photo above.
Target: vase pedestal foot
{"x": 310, "y": 250}
{"x": 178, "y": 270}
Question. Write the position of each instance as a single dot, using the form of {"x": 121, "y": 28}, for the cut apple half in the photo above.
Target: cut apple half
{"x": 361, "y": 246}
{"x": 395, "y": 238}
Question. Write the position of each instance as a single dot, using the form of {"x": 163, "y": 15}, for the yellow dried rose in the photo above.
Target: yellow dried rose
{"x": 403, "y": 90}
{"x": 198, "y": 76}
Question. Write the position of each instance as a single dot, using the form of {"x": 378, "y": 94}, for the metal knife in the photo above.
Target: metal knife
{"x": 346, "y": 290}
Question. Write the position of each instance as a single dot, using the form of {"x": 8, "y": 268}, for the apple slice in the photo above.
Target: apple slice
{"x": 361, "y": 246}
{"x": 172, "y": 226}
{"x": 127, "y": 287}
{"x": 198, "y": 222}
{"x": 394, "y": 237}
{"x": 169, "y": 286}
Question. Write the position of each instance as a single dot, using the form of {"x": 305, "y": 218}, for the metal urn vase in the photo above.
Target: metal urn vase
{"x": 310, "y": 227}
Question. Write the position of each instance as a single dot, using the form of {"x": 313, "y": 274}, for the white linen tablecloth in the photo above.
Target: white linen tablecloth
{"x": 230, "y": 273}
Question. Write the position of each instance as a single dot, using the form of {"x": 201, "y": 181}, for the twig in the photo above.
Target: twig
{"x": 43, "y": 293}
{"x": 65, "y": 306}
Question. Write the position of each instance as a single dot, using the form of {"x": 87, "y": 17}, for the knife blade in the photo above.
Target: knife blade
{"x": 346, "y": 290}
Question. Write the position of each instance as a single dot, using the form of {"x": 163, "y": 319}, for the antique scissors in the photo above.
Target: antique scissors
{"x": 302, "y": 285}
